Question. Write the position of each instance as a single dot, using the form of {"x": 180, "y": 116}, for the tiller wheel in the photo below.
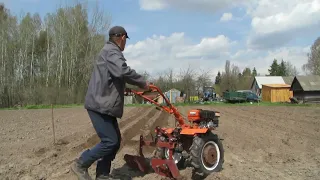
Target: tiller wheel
{"x": 176, "y": 140}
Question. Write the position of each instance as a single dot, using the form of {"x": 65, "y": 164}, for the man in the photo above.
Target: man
{"x": 104, "y": 102}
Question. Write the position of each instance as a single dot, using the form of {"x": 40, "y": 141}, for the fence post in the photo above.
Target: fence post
{"x": 53, "y": 130}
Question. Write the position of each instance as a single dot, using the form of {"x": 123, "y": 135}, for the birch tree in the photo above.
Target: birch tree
{"x": 49, "y": 59}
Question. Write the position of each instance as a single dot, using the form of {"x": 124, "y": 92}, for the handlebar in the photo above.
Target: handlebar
{"x": 169, "y": 108}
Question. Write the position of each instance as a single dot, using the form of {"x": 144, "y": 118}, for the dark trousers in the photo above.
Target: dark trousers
{"x": 108, "y": 131}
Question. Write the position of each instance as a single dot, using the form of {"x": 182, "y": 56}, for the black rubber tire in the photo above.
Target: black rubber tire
{"x": 196, "y": 150}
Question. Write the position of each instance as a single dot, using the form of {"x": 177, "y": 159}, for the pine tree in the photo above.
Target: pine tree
{"x": 274, "y": 68}
{"x": 218, "y": 78}
{"x": 282, "y": 70}
{"x": 254, "y": 72}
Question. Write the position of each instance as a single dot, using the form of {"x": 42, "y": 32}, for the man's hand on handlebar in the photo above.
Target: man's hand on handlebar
{"x": 147, "y": 87}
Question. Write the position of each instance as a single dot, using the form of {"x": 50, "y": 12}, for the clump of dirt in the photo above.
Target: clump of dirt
{"x": 260, "y": 142}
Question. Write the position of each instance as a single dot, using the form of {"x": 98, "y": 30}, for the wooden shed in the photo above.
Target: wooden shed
{"x": 306, "y": 88}
{"x": 258, "y": 81}
{"x": 276, "y": 93}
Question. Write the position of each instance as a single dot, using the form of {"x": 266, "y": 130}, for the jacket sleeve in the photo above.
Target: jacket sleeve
{"x": 117, "y": 66}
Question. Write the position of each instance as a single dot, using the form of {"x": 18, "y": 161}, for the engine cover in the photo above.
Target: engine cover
{"x": 204, "y": 118}
{"x": 207, "y": 114}
{"x": 200, "y": 114}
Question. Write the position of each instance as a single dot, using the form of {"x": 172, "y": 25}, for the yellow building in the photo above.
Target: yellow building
{"x": 276, "y": 93}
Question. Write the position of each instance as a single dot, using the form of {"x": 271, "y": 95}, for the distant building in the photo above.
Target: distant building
{"x": 258, "y": 81}
{"x": 173, "y": 96}
{"x": 276, "y": 93}
{"x": 306, "y": 88}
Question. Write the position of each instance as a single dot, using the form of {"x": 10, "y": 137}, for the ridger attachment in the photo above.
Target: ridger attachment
{"x": 193, "y": 143}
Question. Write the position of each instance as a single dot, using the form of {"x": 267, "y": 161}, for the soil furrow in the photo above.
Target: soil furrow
{"x": 94, "y": 139}
{"x": 134, "y": 114}
{"x": 160, "y": 119}
{"x": 290, "y": 114}
{"x": 259, "y": 142}
{"x": 134, "y": 127}
{"x": 271, "y": 124}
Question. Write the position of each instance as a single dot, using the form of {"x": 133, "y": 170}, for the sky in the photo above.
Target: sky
{"x": 204, "y": 34}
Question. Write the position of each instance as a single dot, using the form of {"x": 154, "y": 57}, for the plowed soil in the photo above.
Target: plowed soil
{"x": 260, "y": 142}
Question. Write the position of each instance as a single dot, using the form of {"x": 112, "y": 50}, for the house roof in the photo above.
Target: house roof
{"x": 288, "y": 79}
{"x": 277, "y": 85}
{"x": 269, "y": 80}
{"x": 309, "y": 83}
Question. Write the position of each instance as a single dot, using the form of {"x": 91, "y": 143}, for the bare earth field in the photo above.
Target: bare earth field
{"x": 260, "y": 142}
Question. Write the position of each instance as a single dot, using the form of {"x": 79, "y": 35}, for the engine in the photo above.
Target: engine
{"x": 204, "y": 118}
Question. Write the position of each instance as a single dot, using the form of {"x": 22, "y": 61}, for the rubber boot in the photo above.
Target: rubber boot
{"x": 103, "y": 170}
{"x": 80, "y": 170}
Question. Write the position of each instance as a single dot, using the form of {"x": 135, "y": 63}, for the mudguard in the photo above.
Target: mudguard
{"x": 193, "y": 131}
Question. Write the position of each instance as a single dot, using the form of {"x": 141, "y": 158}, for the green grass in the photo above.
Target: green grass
{"x": 43, "y": 106}
{"x": 246, "y": 104}
{"x": 177, "y": 105}
{"x": 261, "y": 104}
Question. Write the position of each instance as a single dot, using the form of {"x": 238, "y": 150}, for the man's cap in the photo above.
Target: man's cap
{"x": 118, "y": 31}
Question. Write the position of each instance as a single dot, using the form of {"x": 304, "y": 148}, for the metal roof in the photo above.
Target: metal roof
{"x": 309, "y": 83}
{"x": 269, "y": 80}
{"x": 288, "y": 79}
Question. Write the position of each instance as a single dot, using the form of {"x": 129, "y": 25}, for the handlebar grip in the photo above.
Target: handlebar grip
{"x": 127, "y": 90}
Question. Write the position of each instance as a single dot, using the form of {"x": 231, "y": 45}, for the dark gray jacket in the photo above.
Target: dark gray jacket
{"x": 105, "y": 93}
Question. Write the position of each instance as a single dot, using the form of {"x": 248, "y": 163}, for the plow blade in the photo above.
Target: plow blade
{"x": 165, "y": 167}
{"x": 137, "y": 162}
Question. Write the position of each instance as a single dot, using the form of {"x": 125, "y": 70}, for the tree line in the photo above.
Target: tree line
{"x": 44, "y": 61}
{"x": 49, "y": 60}
{"x": 284, "y": 68}
{"x": 232, "y": 78}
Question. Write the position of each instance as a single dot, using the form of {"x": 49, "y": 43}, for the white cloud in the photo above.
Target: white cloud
{"x": 263, "y": 59}
{"x": 226, "y": 17}
{"x": 176, "y": 51}
{"x": 275, "y": 23}
{"x": 301, "y": 15}
{"x": 208, "y": 47}
{"x": 197, "y": 5}
{"x": 153, "y": 4}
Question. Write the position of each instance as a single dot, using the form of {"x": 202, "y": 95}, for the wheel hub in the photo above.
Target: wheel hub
{"x": 176, "y": 156}
{"x": 210, "y": 155}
